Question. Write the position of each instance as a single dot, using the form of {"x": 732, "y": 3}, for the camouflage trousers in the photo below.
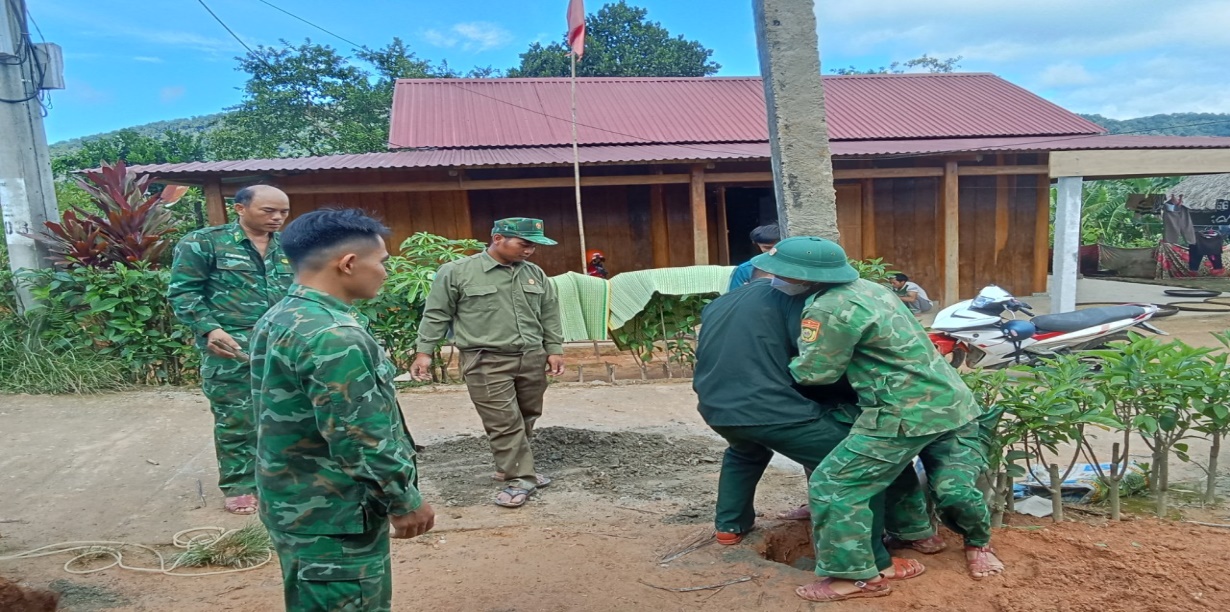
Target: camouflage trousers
{"x": 336, "y": 573}
{"x": 954, "y": 465}
{"x": 842, "y": 489}
{"x": 227, "y": 384}
{"x": 808, "y": 443}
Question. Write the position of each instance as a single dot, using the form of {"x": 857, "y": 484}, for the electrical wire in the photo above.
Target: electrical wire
{"x": 227, "y": 28}
{"x": 337, "y": 36}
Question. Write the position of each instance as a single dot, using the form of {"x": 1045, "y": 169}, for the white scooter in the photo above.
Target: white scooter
{"x": 985, "y": 332}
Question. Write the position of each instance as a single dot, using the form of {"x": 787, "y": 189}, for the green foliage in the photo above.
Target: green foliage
{"x": 874, "y": 270}
{"x": 119, "y": 313}
{"x": 8, "y": 288}
{"x": 133, "y": 147}
{"x": 1105, "y": 218}
{"x": 395, "y": 313}
{"x": 309, "y": 99}
{"x": 926, "y": 63}
{"x": 621, "y": 42}
{"x": 129, "y": 228}
{"x": 34, "y": 365}
{"x": 189, "y": 125}
{"x": 667, "y": 322}
{"x": 245, "y": 547}
{"x": 1172, "y": 124}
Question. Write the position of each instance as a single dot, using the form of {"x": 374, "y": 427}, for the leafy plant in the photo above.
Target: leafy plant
{"x": 668, "y": 321}
{"x": 118, "y": 312}
{"x": 34, "y": 365}
{"x": 874, "y": 270}
{"x": 1213, "y": 417}
{"x": 129, "y": 228}
{"x": 395, "y": 313}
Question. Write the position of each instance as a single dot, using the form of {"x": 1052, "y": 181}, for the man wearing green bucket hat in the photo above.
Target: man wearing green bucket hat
{"x": 912, "y": 403}
{"x": 506, "y": 323}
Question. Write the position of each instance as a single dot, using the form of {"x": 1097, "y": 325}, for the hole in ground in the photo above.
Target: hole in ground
{"x": 789, "y": 543}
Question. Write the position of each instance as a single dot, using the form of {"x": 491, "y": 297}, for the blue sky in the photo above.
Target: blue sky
{"x": 129, "y": 62}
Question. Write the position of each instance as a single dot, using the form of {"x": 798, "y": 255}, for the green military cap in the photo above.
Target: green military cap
{"x": 522, "y": 227}
{"x": 808, "y": 258}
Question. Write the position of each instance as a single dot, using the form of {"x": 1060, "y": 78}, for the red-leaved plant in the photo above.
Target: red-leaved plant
{"x": 129, "y": 228}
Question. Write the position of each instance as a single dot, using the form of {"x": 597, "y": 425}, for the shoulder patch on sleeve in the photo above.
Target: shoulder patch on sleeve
{"x": 811, "y": 330}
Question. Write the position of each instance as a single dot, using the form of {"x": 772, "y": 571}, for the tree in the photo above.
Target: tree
{"x": 134, "y": 148}
{"x": 926, "y": 63}
{"x": 619, "y": 41}
{"x": 310, "y": 99}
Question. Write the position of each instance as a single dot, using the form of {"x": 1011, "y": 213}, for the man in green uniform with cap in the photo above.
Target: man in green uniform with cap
{"x": 912, "y": 403}
{"x": 222, "y": 280}
{"x": 336, "y": 463}
{"x": 506, "y": 323}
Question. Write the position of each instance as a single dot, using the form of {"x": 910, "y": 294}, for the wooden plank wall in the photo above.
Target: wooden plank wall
{"x": 905, "y": 218}
{"x": 617, "y": 222}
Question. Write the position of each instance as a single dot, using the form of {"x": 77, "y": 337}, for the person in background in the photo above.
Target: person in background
{"x": 336, "y": 463}
{"x": 597, "y": 264}
{"x": 506, "y": 323}
{"x": 764, "y": 237}
{"x": 222, "y": 280}
{"x": 915, "y": 297}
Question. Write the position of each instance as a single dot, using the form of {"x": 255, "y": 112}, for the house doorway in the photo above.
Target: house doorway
{"x": 746, "y": 209}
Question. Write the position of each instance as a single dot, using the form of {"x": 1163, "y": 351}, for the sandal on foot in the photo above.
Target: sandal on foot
{"x": 985, "y": 562}
{"x": 513, "y": 494}
{"x": 904, "y": 569}
{"x": 802, "y": 513}
{"x": 927, "y": 546}
{"x": 542, "y": 480}
{"x": 729, "y": 538}
{"x": 823, "y": 591}
{"x": 241, "y": 504}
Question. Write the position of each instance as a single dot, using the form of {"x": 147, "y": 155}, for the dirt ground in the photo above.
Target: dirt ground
{"x": 635, "y": 471}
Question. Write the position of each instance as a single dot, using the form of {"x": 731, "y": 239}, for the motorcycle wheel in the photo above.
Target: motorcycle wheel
{"x": 957, "y": 357}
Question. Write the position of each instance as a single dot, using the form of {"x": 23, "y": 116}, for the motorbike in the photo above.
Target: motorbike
{"x": 986, "y": 332}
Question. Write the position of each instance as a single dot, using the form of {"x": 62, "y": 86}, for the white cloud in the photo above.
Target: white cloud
{"x": 171, "y": 93}
{"x": 1122, "y": 58}
{"x": 1065, "y": 74}
{"x": 148, "y": 59}
{"x": 84, "y": 92}
{"x": 475, "y": 36}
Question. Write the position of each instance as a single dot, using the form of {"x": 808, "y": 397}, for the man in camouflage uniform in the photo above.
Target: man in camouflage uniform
{"x": 912, "y": 403}
{"x": 506, "y": 323}
{"x": 335, "y": 461}
{"x": 222, "y": 280}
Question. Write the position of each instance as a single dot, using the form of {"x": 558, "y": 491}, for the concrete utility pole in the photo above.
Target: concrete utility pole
{"x": 798, "y": 131}
{"x": 27, "y": 193}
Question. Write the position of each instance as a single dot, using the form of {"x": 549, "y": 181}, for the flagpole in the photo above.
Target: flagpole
{"x": 576, "y": 166}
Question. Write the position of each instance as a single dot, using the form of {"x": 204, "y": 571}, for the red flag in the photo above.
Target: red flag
{"x": 576, "y": 27}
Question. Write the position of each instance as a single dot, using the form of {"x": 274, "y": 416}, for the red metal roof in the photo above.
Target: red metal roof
{"x": 453, "y": 113}
{"x": 653, "y": 153}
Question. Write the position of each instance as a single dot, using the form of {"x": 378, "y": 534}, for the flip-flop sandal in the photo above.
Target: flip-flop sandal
{"x": 802, "y": 513}
{"x": 927, "y": 546}
{"x": 981, "y": 562}
{"x": 243, "y": 505}
{"x": 541, "y": 479}
{"x": 513, "y": 493}
{"x": 904, "y": 569}
{"x": 823, "y": 591}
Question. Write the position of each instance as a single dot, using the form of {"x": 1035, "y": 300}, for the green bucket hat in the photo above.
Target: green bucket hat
{"x": 808, "y": 258}
{"x": 524, "y": 228}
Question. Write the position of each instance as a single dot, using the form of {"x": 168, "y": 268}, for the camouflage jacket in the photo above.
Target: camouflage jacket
{"x": 333, "y": 455}
{"x": 218, "y": 279}
{"x": 905, "y": 387}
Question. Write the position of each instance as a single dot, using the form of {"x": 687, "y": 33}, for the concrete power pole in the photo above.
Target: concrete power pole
{"x": 798, "y": 131}
{"x": 27, "y": 193}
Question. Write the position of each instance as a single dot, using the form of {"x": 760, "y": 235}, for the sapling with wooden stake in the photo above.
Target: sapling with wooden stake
{"x": 1173, "y": 377}
{"x": 986, "y": 386}
{"x": 1119, "y": 380}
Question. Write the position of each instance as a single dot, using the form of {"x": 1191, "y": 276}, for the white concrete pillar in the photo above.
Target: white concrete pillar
{"x": 1067, "y": 244}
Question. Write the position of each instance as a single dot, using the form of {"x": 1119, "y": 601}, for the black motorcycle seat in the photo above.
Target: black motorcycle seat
{"x": 1089, "y": 317}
